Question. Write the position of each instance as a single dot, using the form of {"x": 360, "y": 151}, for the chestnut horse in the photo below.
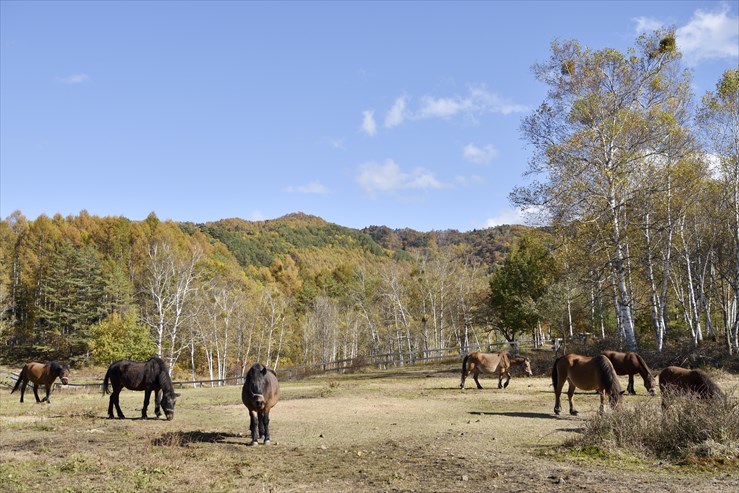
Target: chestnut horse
{"x": 478, "y": 362}
{"x": 630, "y": 364}
{"x": 149, "y": 376}
{"x": 674, "y": 379}
{"x": 41, "y": 374}
{"x": 260, "y": 393}
{"x": 586, "y": 373}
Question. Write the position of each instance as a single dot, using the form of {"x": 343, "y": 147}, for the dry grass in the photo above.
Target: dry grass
{"x": 409, "y": 430}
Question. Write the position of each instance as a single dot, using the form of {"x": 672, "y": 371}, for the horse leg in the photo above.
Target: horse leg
{"x": 557, "y": 395}
{"x": 23, "y": 388}
{"x": 265, "y": 419}
{"x": 147, "y": 396}
{"x": 260, "y": 423}
{"x": 35, "y": 392}
{"x": 630, "y": 387}
{"x": 48, "y": 392}
{"x": 602, "y": 401}
{"x": 475, "y": 374}
{"x": 253, "y": 427}
{"x": 508, "y": 379}
{"x": 158, "y": 402}
{"x": 117, "y": 404}
{"x": 570, "y": 394}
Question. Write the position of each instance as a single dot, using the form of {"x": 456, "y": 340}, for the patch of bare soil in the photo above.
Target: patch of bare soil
{"x": 388, "y": 431}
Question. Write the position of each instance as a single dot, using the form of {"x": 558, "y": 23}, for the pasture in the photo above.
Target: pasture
{"x": 411, "y": 429}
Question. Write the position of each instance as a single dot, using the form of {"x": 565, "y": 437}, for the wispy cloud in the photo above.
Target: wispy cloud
{"x": 369, "y": 125}
{"x": 534, "y": 216}
{"x": 385, "y": 177}
{"x": 480, "y": 155}
{"x": 73, "y": 79}
{"x": 314, "y": 187}
{"x": 257, "y": 215}
{"x": 337, "y": 143}
{"x": 396, "y": 114}
{"x": 708, "y": 34}
{"x": 478, "y": 100}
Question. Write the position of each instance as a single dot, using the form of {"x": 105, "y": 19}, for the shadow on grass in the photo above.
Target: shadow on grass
{"x": 184, "y": 438}
{"x": 515, "y": 414}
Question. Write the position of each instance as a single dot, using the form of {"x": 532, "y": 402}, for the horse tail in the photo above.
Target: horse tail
{"x": 105, "y": 382}
{"x": 464, "y": 366}
{"x": 555, "y": 377}
{"x": 20, "y": 379}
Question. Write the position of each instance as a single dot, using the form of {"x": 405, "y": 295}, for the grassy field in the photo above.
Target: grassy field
{"x": 407, "y": 430}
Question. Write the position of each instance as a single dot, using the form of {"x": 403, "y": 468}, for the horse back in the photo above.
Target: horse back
{"x": 129, "y": 374}
{"x": 487, "y": 362}
{"x": 36, "y": 372}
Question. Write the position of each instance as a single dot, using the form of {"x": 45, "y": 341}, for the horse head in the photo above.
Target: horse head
{"x": 168, "y": 402}
{"x": 527, "y": 367}
{"x": 61, "y": 371}
{"x": 650, "y": 384}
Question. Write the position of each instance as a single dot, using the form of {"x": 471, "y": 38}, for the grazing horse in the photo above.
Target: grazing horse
{"x": 586, "y": 373}
{"x": 41, "y": 374}
{"x": 149, "y": 376}
{"x": 674, "y": 379}
{"x": 630, "y": 364}
{"x": 260, "y": 393}
{"x": 478, "y": 362}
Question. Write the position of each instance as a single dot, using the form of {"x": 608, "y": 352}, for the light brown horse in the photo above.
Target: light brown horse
{"x": 478, "y": 362}
{"x": 674, "y": 379}
{"x": 630, "y": 364}
{"x": 586, "y": 373}
{"x": 41, "y": 374}
{"x": 260, "y": 393}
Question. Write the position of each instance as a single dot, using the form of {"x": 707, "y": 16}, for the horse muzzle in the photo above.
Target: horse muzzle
{"x": 169, "y": 415}
{"x": 64, "y": 380}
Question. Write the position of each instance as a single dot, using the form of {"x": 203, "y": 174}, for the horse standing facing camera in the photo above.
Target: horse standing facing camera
{"x": 41, "y": 374}
{"x": 260, "y": 393}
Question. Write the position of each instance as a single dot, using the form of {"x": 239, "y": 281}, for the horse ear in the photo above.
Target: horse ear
{"x": 264, "y": 370}
{"x": 623, "y": 392}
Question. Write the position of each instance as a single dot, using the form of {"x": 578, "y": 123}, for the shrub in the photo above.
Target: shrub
{"x": 119, "y": 337}
{"x": 689, "y": 427}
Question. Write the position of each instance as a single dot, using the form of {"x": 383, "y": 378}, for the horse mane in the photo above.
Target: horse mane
{"x": 159, "y": 368}
{"x": 607, "y": 374}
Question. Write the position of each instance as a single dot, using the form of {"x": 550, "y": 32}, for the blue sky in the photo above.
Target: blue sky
{"x": 376, "y": 113}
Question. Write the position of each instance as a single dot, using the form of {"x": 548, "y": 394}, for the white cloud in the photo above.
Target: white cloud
{"x": 386, "y": 177}
{"x": 533, "y": 216}
{"x": 478, "y": 100}
{"x": 73, "y": 79}
{"x": 480, "y": 155}
{"x": 337, "y": 143}
{"x": 369, "y": 126}
{"x": 314, "y": 187}
{"x": 396, "y": 114}
{"x": 257, "y": 216}
{"x": 708, "y": 34}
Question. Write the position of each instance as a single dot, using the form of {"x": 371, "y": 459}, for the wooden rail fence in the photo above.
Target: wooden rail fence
{"x": 382, "y": 361}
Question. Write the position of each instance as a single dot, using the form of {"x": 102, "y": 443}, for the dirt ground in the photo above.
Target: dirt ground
{"x": 408, "y": 430}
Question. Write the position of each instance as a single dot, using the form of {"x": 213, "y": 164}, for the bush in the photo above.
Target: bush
{"x": 689, "y": 427}
{"x": 119, "y": 337}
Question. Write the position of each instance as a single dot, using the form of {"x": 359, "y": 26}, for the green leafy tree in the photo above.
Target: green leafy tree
{"x": 118, "y": 337}
{"x": 517, "y": 286}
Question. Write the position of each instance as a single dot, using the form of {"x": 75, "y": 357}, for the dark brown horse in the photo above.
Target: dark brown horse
{"x": 478, "y": 362}
{"x": 41, "y": 374}
{"x": 149, "y": 376}
{"x": 630, "y": 364}
{"x": 260, "y": 393}
{"x": 676, "y": 380}
{"x": 586, "y": 373}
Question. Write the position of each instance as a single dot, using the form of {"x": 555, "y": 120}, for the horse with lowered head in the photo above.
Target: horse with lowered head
{"x": 149, "y": 376}
{"x": 676, "y": 380}
{"x": 260, "y": 393}
{"x": 41, "y": 374}
{"x": 630, "y": 364}
{"x": 586, "y": 373}
{"x": 478, "y": 362}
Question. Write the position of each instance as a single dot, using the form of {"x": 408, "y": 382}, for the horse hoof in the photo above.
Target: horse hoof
{"x": 573, "y": 412}
{"x": 556, "y": 411}
{"x": 266, "y": 442}
{"x": 252, "y": 443}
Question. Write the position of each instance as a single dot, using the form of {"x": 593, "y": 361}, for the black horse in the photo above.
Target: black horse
{"x": 260, "y": 392}
{"x": 149, "y": 376}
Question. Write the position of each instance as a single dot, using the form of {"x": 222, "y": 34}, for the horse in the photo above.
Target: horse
{"x": 629, "y": 364}
{"x": 586, "y": 373}
{"x": 149, "y": 376}
{"x": 674, "y": 379}
{"x": 478, "y": 362}
{"x": 260, "y": 393}
{"x": 41, "y": 374}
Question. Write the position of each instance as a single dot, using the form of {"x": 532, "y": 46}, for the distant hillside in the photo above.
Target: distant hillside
{"x": 490, "y": 245}
{"x": 317, "y": 244}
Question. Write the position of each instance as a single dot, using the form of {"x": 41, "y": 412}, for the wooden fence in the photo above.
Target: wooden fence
{"x": 381, "y": 361}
